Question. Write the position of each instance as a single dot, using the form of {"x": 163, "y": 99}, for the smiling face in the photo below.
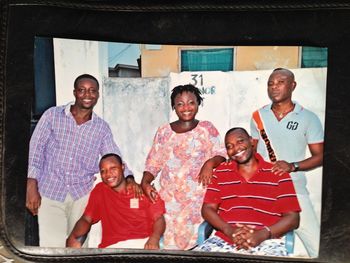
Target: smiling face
{"x": 186, "y": 106}
{"x": 111, "y": 171}
{"x": 239, "y": 146}
{"x": 86, "y": 93}
{"x": 280, "y": 86}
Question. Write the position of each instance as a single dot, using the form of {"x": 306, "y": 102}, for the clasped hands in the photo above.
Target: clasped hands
{"x": 247, "y": 236}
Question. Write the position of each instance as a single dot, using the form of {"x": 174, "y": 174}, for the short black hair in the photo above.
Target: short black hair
{"x": 116, "y": 156}
{"x": 285, "y": 69}
{"x": 277, "y": 69}
{"x": 85, "y": 76}
{"x": 182, "y": 88}
{"x": 237, "y": 128}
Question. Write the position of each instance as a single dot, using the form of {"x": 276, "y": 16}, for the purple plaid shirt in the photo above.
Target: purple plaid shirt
{"x": 64, "y": 156}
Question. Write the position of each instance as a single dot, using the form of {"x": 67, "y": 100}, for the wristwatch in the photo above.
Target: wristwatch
{"x": 296, "y": 166}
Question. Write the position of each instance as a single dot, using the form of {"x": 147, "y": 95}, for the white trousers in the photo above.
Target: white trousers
{"x": 131, "y": 243}
{"x": 57, "y": 219}
{"x": 309, "y": 227}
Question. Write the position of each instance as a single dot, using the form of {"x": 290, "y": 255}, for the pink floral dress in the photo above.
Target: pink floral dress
{"x": 177, "y": 158}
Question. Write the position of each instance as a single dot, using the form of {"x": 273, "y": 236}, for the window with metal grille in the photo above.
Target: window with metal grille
{"x": 207, "y": 59}
{"x": 314, "y": 57}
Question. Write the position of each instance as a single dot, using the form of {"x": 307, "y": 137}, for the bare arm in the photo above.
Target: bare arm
{"x": 33, "y": 198}
{"x": 147, "y": 188}
{"x": 37, "y": 146}
{"x": 210, "y": 214}
{"x": 314, "y": 161}
{"x": 81, "y": 228}
{"x": 206, "y": 172}
{"x": 158, "y": 231}
{"x": 316, "y": 158}
{"x": 288, "y": 222}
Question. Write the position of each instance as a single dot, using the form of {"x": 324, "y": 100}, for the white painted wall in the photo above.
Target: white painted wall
{"x": 76, "y": 57}
{"x": 135, "y": 108}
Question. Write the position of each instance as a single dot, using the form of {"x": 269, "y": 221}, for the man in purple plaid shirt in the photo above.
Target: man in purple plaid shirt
{"x": 63, "y": 158}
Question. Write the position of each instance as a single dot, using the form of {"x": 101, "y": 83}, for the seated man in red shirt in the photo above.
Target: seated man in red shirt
{"x": 123, "y": 217}
{"x": 250, "y": 207}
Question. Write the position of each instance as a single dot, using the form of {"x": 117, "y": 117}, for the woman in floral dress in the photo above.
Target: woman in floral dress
{"x": 178, "y": 152}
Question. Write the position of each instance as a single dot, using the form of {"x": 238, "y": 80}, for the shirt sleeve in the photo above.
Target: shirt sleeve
{"x": 287, "y": 200}
{"x": 92, "y": 209}
{"x": 215, "y": 139}
{"x": 109, "y": 146}
{"x": 254, "y": 130}
{"x": 314, "y": 133}
{"x": 157, "y": 209}
{"x": 212, "y": 194}
{"x": 38, "y": 142}
{"x": 157, "y": 156}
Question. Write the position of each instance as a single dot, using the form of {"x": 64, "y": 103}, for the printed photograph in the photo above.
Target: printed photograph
{"x": 177, "y": 147}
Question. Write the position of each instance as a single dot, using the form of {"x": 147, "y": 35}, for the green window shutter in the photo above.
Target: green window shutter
{"x": 314, "y": 57}
{"x": 207, "y": 59}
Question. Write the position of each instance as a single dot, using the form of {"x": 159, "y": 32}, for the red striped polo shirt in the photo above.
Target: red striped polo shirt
{"x": 261, "y": 201}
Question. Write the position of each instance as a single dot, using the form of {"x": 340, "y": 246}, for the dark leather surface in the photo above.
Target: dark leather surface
{"x": 254, "y": 23}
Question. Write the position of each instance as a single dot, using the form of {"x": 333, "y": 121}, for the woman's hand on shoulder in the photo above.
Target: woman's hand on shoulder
{"x": 206, "y": 173}
{"x": 133, "y": 187}
{"x": 148, "y": 188}
{"x": 150, "y": 191}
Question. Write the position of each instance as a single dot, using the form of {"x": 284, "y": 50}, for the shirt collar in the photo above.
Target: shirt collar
{"x": 262, "y": 163}
{"x": 297, "y": 109}
{"x": 68, "y": 112}
{"x": 67, "y": 108}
